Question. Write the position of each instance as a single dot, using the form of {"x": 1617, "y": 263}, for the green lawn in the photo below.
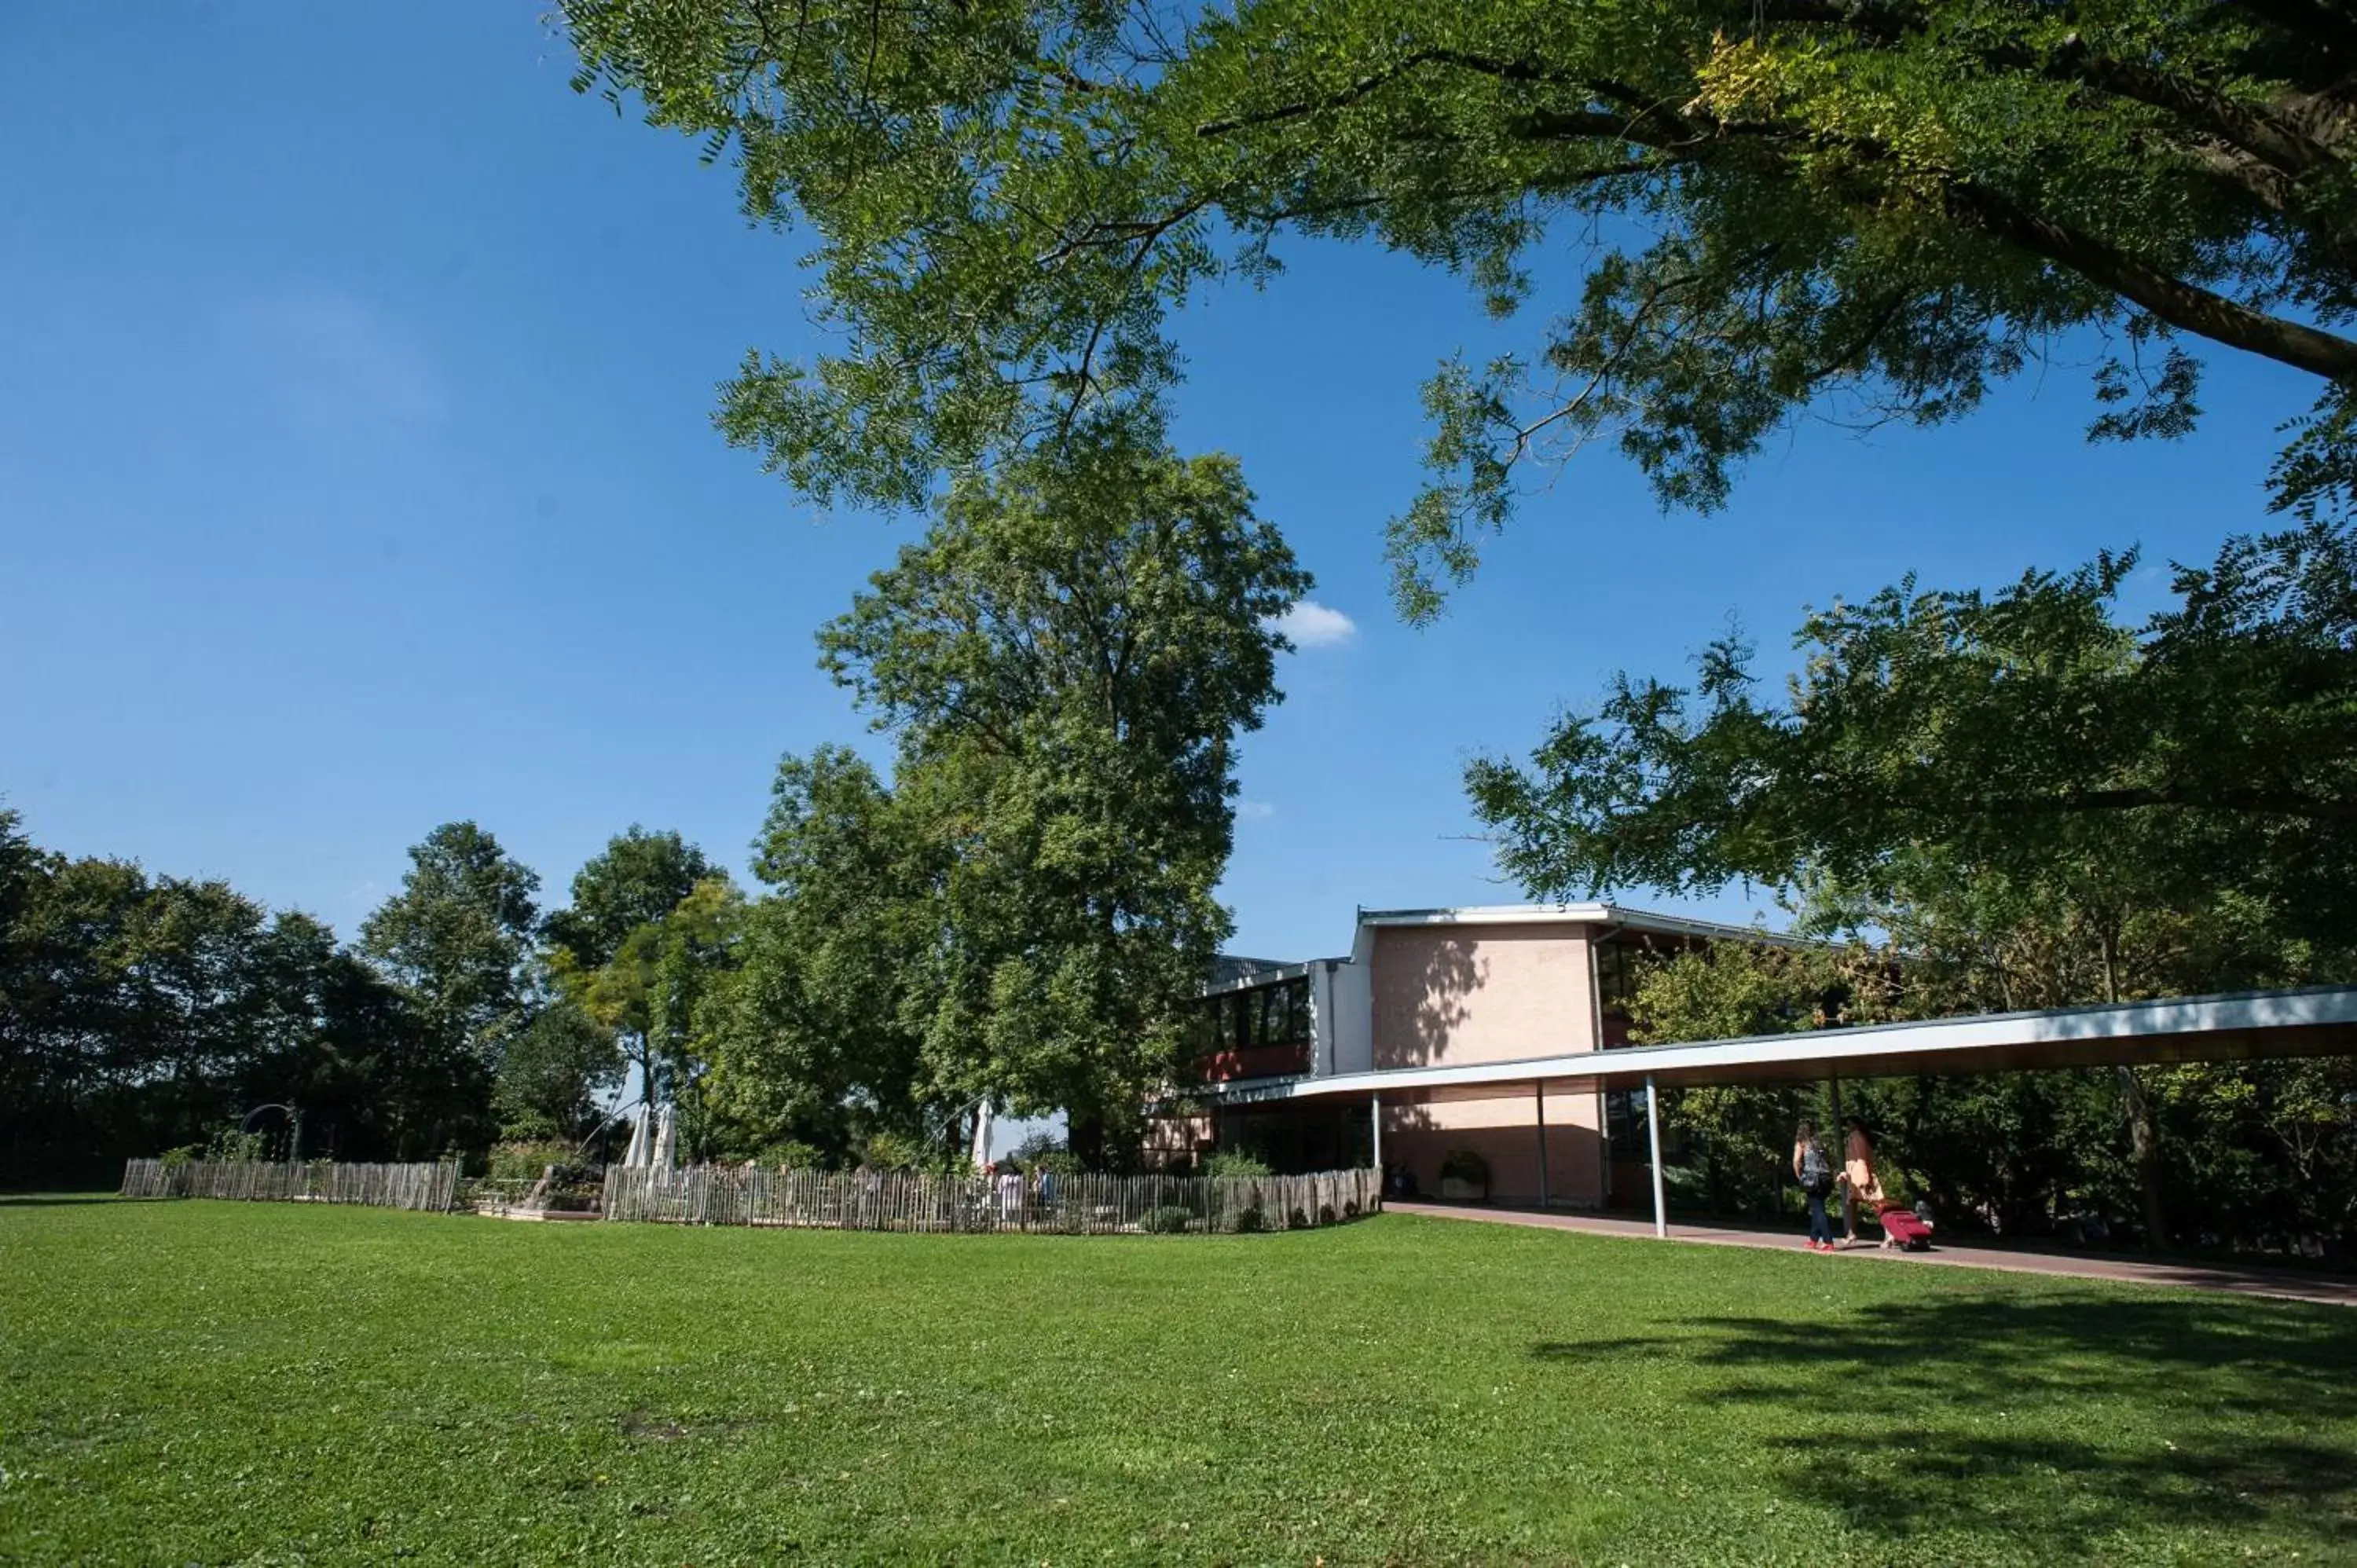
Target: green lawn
{"x": 211, "y": 1382}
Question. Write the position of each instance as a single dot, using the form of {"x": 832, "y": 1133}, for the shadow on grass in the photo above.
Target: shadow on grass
{"x": 63, "y": 1200}
{"x": 2042, "y": 1428}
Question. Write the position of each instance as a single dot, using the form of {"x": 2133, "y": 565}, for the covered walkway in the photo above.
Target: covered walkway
{"x": 2250, "y": 1026}
{"x": 2328, "y": 1290}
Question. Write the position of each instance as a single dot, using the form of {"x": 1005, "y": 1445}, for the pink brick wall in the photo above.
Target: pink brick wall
{"x": 1449, "y": 994}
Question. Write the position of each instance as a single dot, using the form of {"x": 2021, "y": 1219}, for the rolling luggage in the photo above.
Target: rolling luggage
{"x": 1904, "y": 1226}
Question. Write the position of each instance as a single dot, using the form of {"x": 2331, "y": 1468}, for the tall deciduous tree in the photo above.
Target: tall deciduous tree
{"x": 636, "y": 880}
{"x": 2044, "y": 805}
{"x": 621, "y": 946}
{"x": 2026, "y": 736}
{"x": 819, "y": 1037}
{"x": 139, "y": 1014}
{"x": 1884, "y": 207}
{"x": 1065, "y": 662}
{"x": 552, "y": 1067}
{"x": 458, "y": 933}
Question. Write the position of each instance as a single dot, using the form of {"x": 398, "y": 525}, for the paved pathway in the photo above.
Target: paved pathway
{"x": 2329, "y": 1289}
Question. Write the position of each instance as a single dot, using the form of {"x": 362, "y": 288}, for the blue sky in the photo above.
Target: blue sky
{"x": 356, "y": 473}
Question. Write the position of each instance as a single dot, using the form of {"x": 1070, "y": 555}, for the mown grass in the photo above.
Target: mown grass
{"x": 215, "y": 1383}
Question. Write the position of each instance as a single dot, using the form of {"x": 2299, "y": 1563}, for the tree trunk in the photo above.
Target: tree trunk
{"x": 1085, "y": 1135}
{"x": 2144, "y": 1134}
{"x": 2144, "y": 1143}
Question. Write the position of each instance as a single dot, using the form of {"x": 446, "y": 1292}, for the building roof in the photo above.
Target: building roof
{"x": 1245, "y": 979}
{"x": 1611, "y": 915}
{"x": 2314, "y": 1021}
{"x": 1228, "y": 968}
{"x": 1233, "y": 972}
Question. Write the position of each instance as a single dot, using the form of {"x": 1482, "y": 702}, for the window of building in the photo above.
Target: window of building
{"x": 1624, "y": 1122}
{"x": 1260, "y": 1019}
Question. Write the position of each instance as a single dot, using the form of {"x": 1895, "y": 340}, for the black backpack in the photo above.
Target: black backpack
{"x": 1816, "y": 1171}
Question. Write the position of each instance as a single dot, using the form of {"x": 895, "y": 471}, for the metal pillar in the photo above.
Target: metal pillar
{"x": 1377, "y": 1113}
{"x": 1538, "y": 1093}
{"x": 1841, "y": 1141}
{"x": 1654, "y": 1133}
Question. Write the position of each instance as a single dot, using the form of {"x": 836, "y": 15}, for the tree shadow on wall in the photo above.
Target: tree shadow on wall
{"x": 1448, "y": 972}
{"x": 1987, "y": 1418}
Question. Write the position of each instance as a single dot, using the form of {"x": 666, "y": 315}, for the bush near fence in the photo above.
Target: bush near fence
{"x": 420, "y": 1186}
{"x": 902, "y": 1201}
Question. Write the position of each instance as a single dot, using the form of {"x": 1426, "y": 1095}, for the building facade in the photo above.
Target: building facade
{"x": 1426, "y": 988}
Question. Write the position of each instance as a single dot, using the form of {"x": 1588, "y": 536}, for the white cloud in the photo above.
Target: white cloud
{"x": 1255, "y": 811}
{"x": 1312, "y": 625}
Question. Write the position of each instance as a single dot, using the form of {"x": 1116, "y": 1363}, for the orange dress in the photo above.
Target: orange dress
{"x": 1857, "y": 1163}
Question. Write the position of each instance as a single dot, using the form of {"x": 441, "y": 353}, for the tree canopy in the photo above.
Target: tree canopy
{"x": 1879, "y": 209}
{"x": 1062, "y": 664}
{"x": 2037, "y": 804}
{"x": 819, "y": 1037}
{"x": 631, "y": 951}
{"x": 1065, "y": 662}
{"x": 140, "y": 1012}
{"x": 458, "y": 934}
{"x": 2019, "y": 746}
{"x": 636, "y": 880}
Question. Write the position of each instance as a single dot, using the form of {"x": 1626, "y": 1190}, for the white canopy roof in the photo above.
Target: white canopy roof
{"x": 2318, "y": 1020}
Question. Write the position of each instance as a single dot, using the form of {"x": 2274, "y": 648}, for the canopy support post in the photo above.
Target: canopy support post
{"x": 1375, "y": 1113}
{"x": 1841, "y": 1141}
{"x": 1654, "y": 1134}
{"x": 1538, "y": 1097}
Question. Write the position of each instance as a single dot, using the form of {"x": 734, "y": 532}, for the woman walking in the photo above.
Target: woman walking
{"x": 1813, "y": 1169}
{"x": 1861, "y": 1187}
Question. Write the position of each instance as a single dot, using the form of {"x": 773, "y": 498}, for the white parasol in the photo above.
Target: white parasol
{"x": 665, "y": 1153}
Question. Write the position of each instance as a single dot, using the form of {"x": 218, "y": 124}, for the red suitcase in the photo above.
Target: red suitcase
{"x": 1902, "y": 1226}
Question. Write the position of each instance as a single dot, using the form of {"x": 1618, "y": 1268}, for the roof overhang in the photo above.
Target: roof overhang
{"x": 1612, "y": 918}
{"x": 2321, "y": 1021}
{"x": 1270, "y": 976}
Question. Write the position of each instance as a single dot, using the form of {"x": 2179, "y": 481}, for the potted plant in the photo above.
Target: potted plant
{"x": 1465, "y": 1175}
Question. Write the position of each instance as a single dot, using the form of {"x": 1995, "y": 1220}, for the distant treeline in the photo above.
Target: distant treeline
{"x": 142, "y": 1013}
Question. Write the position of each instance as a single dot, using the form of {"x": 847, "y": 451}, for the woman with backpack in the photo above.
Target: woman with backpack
{"x": 1813, "y": 1169}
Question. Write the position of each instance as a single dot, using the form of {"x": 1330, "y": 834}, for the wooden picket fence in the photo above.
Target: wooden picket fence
{"x": 432, "y": 1186}
{"x": 904, "y": 1200}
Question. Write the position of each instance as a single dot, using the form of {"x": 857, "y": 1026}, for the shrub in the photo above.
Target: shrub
{"x": 1235, "y": 1162}
{"x": 186, "y": 1153}
{"x": 792, "y": 1155}
{"x": 1040, "y": 1152}
{"x": 573, "y": 1197}
{"x": 1249, "y": 1222}
{"x": 519, "y": 1161}
{"x": 234, "y": 1146}
{"x": 1325, "y": 1214}
{"x": 1169, "y": 1220}
{"x": 1298, "y": 1220}
{"x": 1466, "y": 1165}
{"x": 890, "y": 1151}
